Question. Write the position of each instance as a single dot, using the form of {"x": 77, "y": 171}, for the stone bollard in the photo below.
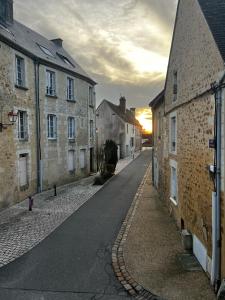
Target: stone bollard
{"x": 31, "y": 202}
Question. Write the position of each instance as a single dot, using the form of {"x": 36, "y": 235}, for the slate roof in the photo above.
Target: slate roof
{"x": 128, "y": 117}
{"x": 214, "y": 12}
{"x": 158, "y": 99}
{"x": 26, "y": 40}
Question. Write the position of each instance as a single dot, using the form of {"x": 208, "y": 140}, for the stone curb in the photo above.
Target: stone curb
{"x": 118, "y": 263}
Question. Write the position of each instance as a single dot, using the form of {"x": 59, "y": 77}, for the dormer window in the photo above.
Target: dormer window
{"x": 66, "y": 60}
{"x": 46, "y": 51}
{"x": 174, "y": 86}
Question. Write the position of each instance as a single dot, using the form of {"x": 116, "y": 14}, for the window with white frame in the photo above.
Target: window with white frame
{"x": 91, "y": 96}
{"x": 71, "y": 128}
{"x": 20, "y": 71}
{"x": 173, "y": 133}
{"x": 173, "y": 182}
{"x": 71, "y": 160}
{"x": 91, "y": 128}
{"x": 50, "y": 83}
{"x": 23, "y": 170}
{"x": 70, "y": 89}
{"x": 52, "y": 126}
{"x": 22, "y": 125}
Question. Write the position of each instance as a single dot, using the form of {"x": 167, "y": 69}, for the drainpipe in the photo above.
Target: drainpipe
{"x": 38, "y": 132}
{"x": 216, "y": 202}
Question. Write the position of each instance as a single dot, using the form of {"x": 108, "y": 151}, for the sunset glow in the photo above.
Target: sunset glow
{"x": 144, "y": 116}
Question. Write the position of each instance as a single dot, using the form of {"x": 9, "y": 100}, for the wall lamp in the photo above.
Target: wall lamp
{"x": 12, "y": 116}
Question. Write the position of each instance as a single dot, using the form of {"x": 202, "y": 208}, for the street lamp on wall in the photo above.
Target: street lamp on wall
{"x": 12, "y": 116}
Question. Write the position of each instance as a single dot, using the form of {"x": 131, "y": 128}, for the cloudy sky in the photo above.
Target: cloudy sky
{"x": 124, "y": 45}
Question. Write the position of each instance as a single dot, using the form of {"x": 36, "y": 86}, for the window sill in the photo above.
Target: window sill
{"x": 51, "y": 96}
{"x": 173, "y": 152}
{"x": 71, "y": 100}
{"x": 173, "y": 201}
{"x": 72, "y": 141}
{"x": 52, "y": 139}
{"x": 21, "y": 87}
{"x": 24, "y": 140}
{"x": 24, "y": 187}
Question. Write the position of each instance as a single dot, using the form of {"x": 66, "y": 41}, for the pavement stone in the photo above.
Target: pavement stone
{"x": 21, "y": 230}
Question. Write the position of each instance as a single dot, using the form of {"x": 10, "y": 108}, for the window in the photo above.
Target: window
{"x": 46, "y": 51}
{"x": 91, "y": 96}
{"x": 71, "y": 128}
{"x": 82, "y": 158}
{"x": 174, "y": 86}
{"x": 50, "y": 83}
{"x": 132, "y": 142}
{"x": 23, "y": 170}
{"x": 71, "y": 161}
{"x": 127, "y": 128}
{"x": 173, "y": 182}
{"x": 52, "y": 127}
{"x": 173, "y": 134}
{"x": 20, "y": 72}
{"x": 70, "y": 89}
{"x": 91, "y": 129}
{"x": 22, "y": 125}
{"x": 66, "y": 60}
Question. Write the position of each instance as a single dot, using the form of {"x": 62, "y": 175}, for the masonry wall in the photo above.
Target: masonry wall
{"x": 198, "y": 63}
{"x": 12, "y": 98}
{"x": 110, "y": 126}
{"x": 195, "y": 184}
{"x": 55, "y": 152}
{"x": 158, "y": 147}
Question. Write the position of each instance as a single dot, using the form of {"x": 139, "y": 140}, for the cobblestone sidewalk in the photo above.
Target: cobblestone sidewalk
{"x": 21, "y": 230}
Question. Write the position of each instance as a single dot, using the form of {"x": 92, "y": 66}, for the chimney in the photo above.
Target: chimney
{"x": 123, "y": 104}
{"x": 133, "y": 109}
{"x": 6, "y": 12}
{"x": 58, "y": 42}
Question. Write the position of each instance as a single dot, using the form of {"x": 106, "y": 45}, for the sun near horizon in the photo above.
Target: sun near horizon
{"x": 144, "y": 116}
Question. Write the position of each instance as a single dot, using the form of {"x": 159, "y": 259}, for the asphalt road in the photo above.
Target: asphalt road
{"x": 74, "y": 262}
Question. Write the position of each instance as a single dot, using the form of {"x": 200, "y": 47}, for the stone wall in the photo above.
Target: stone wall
{"x": 54, "y": 153}
{"x": 198, "y": 63}
{"x": 10, "y": 146}
{"x": 195, "y": 126}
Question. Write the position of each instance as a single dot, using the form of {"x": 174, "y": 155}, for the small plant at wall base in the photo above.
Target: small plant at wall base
{"x": 108, "y": 163}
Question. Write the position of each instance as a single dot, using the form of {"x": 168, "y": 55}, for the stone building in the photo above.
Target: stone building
{"x": 53, "y": 140}
{"x": 189, "y": 131}
{"x": 119, "y": 124}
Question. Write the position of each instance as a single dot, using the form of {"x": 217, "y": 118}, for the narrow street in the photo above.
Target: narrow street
{"x": 74, "y": 262}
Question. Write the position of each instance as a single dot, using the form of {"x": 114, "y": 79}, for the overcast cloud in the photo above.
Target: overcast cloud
{"x": 123, "y": 45}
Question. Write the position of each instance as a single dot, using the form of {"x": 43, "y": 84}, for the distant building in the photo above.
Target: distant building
{"x": 119, "y": 124}
{"x": 188, "y": 129}
{"x": 53, "y": 140}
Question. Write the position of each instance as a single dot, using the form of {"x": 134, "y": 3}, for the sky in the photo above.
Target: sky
{"x": 123, "y": 45}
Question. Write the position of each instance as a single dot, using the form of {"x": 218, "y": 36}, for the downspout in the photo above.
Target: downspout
{"x": 38, "y": 131}
{"x": 216, "y": 205}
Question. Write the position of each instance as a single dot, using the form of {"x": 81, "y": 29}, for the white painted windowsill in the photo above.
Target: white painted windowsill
{"x": 173, "y": 201}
